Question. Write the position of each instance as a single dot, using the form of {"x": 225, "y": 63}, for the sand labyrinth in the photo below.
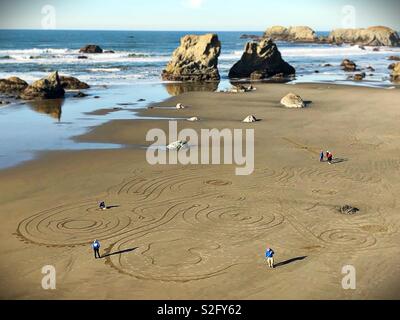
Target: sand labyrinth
{"x": 71, "y": 225}
{"x": 232, "y": 219}
{"x": 192, "y": 242}
{"x": 180, "y": 237}
{"x": 80, "y": 223}
{"x": 337, "y": 239}
{"x": 172, "y": 255}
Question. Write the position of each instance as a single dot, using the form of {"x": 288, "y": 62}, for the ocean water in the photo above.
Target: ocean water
{"x": 129, "y": 74}
{"x": 141, "y": 56}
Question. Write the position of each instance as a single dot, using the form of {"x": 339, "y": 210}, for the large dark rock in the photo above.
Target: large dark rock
{"x": 71, "y": 83}
{"x": 12, "y": 85}
{"x": 91, "y": 48}
{"x": 259, "y": 61}
{"x": 195, "y": 60}
{"x": 348, "y": 65}
{"x": 46, "y": 88}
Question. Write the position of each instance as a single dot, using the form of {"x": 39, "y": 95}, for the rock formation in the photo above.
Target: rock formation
{"x": 294, "y": 34}
{"x": 293, "y": 101}
{"x": 251, "y": 36}
{"x": 349, "y": 210}
{"x": 395, "y": 76}
{"x": 196, "y": 60}
{"x": 373, "y": 36}
{"x": 177, "y": 145}
{"x": 250, "y": 119}
{"x": 262, "y": 59}
{"x": 71, "y": 83}
{"x": 46, "y": 88}
{"x": 80, "y": 95}
{"x": 12, "y": 85}
{"x": 180, "y": 106}
{"x": 394, "y": 58}
{"x": 91, "y": 48}
{"x": 240, "y": 88}
{"x": 359, "y": 76}
{"x": 348, "y": 65}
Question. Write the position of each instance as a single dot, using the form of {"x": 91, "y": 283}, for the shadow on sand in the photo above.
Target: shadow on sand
{"x": 112, "y": 207}
{"x": 285, "y": 263}
{"x": 307, "y": 103}
{"x": 119, "y": 252}
{"x": 339, "y": 160}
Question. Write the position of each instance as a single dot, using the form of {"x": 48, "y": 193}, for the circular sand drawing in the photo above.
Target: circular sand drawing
{"x": 71, "y": 225}
{"x": 348, "y": 238}
{"x": 174, "y": 255}
{"x": 232, "y": 219}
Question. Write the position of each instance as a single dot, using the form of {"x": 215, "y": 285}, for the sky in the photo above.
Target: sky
{"x": 196, "y": 15}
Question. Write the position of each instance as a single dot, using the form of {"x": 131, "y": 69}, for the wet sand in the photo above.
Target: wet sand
{"x": 200, "y": 231}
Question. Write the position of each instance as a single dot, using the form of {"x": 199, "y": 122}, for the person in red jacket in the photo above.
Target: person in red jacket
{"x": 329, "y": 155}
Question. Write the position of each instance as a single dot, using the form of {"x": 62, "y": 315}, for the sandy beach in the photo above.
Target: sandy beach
{"x": 200, "y": 231}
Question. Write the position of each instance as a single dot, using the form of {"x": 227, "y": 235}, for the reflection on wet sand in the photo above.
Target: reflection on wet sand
{"x": 177, "y": 88}
{"x": 246, "y": 82}
{"x": 53, "y": 107}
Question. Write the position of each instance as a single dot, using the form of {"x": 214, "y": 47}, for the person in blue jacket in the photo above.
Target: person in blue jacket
{"x": 321, "y": 156}
{"x": 96, "y": 249}
{"x": 269, "y": 254}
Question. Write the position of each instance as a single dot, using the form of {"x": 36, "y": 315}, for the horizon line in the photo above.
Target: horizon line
{"x": 136, "y": 30}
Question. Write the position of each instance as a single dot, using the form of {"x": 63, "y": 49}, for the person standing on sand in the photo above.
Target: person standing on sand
{"x": 102, "y": 205}
{"x": 321, "y": 157}
{"x": 270, "y": 258}
{"x": 96, "y": 249}
{"x": 329, "y": 155}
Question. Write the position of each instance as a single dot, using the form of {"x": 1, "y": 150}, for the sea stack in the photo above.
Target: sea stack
{"x": 46, "y": 88}
{"x": 293, "y": 34}
{"x": 259, "y": 61}
{"x": 195, "y": 60}
{"x": 373, "y": 36}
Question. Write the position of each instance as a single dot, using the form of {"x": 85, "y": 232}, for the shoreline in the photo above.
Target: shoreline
{"x": 143, "y": 112}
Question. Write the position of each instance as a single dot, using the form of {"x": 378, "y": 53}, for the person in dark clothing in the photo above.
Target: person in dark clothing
{"x": 102, "y": 205}
{"x": 96, "y": 249}
{"x": 321, "y": 157}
